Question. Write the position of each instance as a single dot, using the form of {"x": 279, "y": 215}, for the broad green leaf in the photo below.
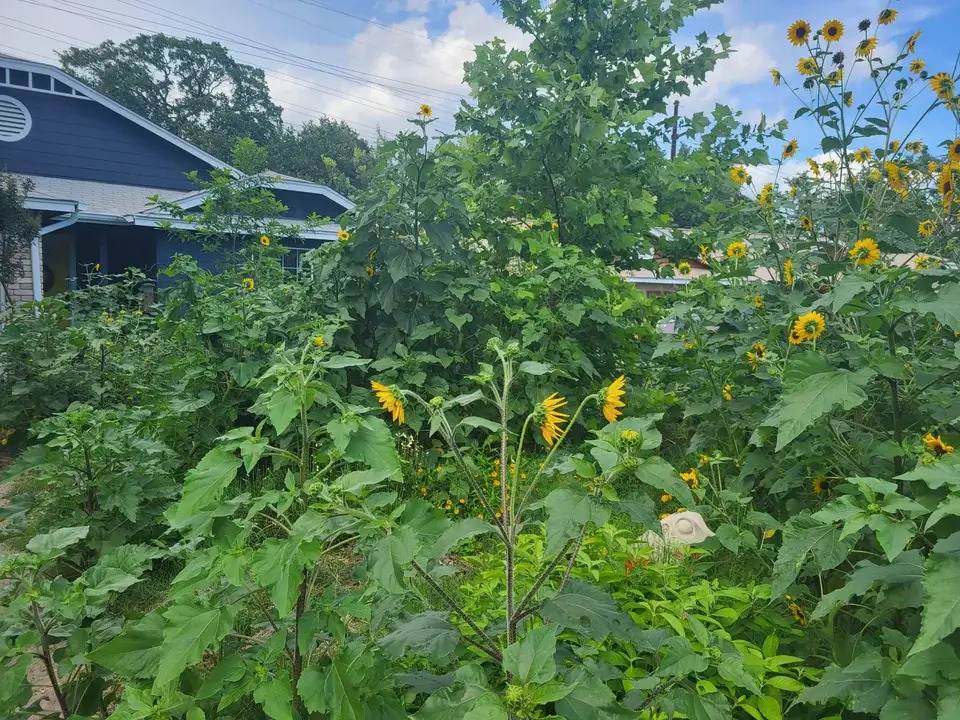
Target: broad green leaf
{"x": 390, "y": 557}
{"x": 278, "y": 567}
{"x": 567, "y": 513}
{"x": 345, "y": 360}
{"x": 660, "y": 475}
{"x": 945, "y": 307}
{"x": 531, "y": 659}
{"x": 204, "y": 485}
{"x": 843, "y": 292}
{"x": 944, "y": 472}
{"x": 53, "y": 544}
{"x": 282, "y": 407}
{"x": 731, "y": 669}
{"x": 469, "y": 698}
{"x": 812, "y": 398}
{"x": 275, "y": 696}
{"x": 805, "y": 538}
{"x": 430, "y": 634}
{"x": 133, "y": 653}
{"x": 457, "y": 533}
{"x": 941, "y": 613}
{"x": 585, "y": 608}
{"x": 532, "y": 367}
{"x": 330, "y": 689}
{"x": 353, "y": 482}
{"x": 862, "y": 684}
{"x": 906, "y": 709}
{"x": 908, "y": 568}
{"x": 188, "y": 634}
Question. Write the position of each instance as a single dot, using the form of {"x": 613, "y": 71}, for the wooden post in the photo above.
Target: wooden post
{"x": 673, "y": 135}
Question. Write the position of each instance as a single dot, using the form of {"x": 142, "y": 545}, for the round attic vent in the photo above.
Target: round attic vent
{"x": 15, "y": 119}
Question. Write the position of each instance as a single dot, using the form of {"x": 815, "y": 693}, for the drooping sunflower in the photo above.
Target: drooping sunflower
{"x": 756, "y": 354}
{"x": 864, "y": 252}
{"x": 863, "y": 155}
{"x": 832, "y": 30}
{"x": 925, "y": 262}
{"x": 848, "y": 98}
{"x": 265, "y": 240}
{"x": 814, "y": 167}
{"x": 807, "y": 66}
{"x": 866, "y": 47}
{"x": 319, "y": 341}
{"x": 248, "y": 284}
{"x": 810, "y": 325}
{"x": 926, "y": 228}
{"x": 343, "y": 235}
{"x": 806, "y": 223}
{"x": 933, "y": 167}
{"x": 683, "y": 267}
{"x": 953, "y": 150}
{"x": 691, "y": 477}
{"x": 798, "y": 32}
{"x": 727, "y": 392}
{"x": 917, "y": 66}
{"x": 739, "y": 175}
{"x": 790, "y": 149}
{"x": 942, "y": 85}
{"x": 896, "y": 178}
{"x": 390, "y": 400}
{"x": 612, "y": 399}
{"x": 775, "y": 76}
{"x": 835, "y": 77}
{"x": 765, "y": 196}
{"x": 936, "y": 445}
{"x": 425, "y": 111}
{"x": 551, "y": 424}
{"x": 945, "y": 186}
{"x": 818, "y": 485}
{"x": 736, "y": 249}
{"x": 894, "y": 146}
{"x": 911, "y": 45}
{"x": 703, "y": 252}
{"x": 788, "y": 272}
{"x": 887, "y": 16}
{"x": 916, "y": 147}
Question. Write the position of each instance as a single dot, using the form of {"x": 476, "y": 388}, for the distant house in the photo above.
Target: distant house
{"x": 93, "y": 163}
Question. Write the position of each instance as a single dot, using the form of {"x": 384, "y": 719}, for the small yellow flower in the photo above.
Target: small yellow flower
{"x": 612, "y": 399}
{"x": 96, "y": 267}
{"x": 425, "y": 111}
{"x": 925, "y": 262}
{"x": 704, "y": 252}
{"x": 737, "y": 249}
{"x": 917, "y": 66}
{"x": 936, "y": 445}
{"x": 806, "y": 223}
{"x": 818, "y": 485}
{"x": 799, "y": 32}
{"x": 691, "y": 476}
{"x": 551, "y": 426}
{"x": 665, "y": 498}
{"x": 916, "y": 147}
{"x": 788, "y": 272}
{"x": 758, "y": 302}
{"x": 887, "y": 16}
{"x": 370, "y": 270}
{"x": 807, "y": 66}
{"x": 848, "y": 99}
{"x": 911, "y": 45}
{"x": 799, "y": 616}
{"x": 664, "y": 515}
{"x": 775, "y": 76}
{"x": 727, "y": 392}
{"x": 756, "y": 354}
{"x": 926, "y": 228}
{"x": 248, "y": 284}
{"x": 343, "y": 235}
{"x": 265, "y": 240}
{"x": 942, "y": 85}
{"x": 765, "y": 196}
{"x": 390, "y": 400}
{"x": 832, "y": 30}
{"x": 629, "y": 436}
{"x": 554, "y": 226}
{"x": 814, "y": 167}
{"x": 319, "y": 341}
{"x": 896, "y": 178}
{"x": 809, "y": 326}
{"x": 768, "y": 534}
{"x": 790, "y": 149}
{"x": 683, "y": 267}
{"x": 863, "y": 155}
{"x": 864, "y": 252}
{"x": 739, "y": 175}
{"x": 866, "y": 47}
{"x": 894, "y": 146}
{"x": 702, "y": 459}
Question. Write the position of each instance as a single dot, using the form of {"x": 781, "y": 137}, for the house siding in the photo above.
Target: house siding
{"x": 301, "y": 205}
{"x": 81, "y": 139}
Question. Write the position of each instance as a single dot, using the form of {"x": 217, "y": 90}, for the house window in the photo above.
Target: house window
{"x": 293, "y": 258}
{"x": 40, "y": 81}
{"x": 20, "y": 78}
{"x": 15, "y": 121}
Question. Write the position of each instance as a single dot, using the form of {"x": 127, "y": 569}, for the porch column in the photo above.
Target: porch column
{"x": 35, "y": 267}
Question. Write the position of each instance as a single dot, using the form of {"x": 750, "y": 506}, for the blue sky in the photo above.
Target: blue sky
{"x": 372, "y": 70}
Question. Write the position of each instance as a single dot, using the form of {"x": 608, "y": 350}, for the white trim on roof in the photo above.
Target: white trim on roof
{"x": 195, "y": 199}
{"x": 49, "y": 204}
{"x": 58, "y": 74}
{"x": 656, "y": 280}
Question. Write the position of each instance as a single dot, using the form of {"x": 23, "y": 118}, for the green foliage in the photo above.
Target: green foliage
{"x": 18, "y": 227}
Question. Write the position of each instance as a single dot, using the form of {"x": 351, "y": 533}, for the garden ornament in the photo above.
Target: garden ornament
{"x": 682, "y": 528}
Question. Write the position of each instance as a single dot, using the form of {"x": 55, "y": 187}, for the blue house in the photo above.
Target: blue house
{"x": 93, "y": 163}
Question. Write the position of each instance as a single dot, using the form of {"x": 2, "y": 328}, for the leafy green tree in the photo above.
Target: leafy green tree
{"x": 322, "y": 150}
{"x": 18, "y": 227}
{"x": 566, "y": 130}
{"x": 190, "y": 87}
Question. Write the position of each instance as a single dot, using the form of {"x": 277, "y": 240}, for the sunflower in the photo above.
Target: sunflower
{"x": 810, "y": 325}
{"x": 704, "y": 252}
{"x": 945, "y": 186}
{"x": 807, "y": 66}
{"x": 953, "y": 150}
{"x": 248, "y": 284}
{"x": 848, "y": 99}
{"x": 936, "y": 445}
{"x": 554, "y": 226}
{"x": 775, "y": 76}
{"x": 835, "y": 78}
{"x": 894, "y": 146}
{"x": 691, "y": 477}
{"x": 737, "y": 249}
{"x": 864, "y": 252}
{"x": 788, "y": 272}
{"x": 933, "y": 167}
{"x": 916, "y": 147}
{"x": 790, "y": 149}
{"x": 863, "y": 155}
{"x": 887, "y": 16}
{"x": 942, "y": 85}
{"x": 911, "y": 45}
{"x": 758, "y": 302}
{"x": 739, "y": 175}
{"x": 814, "y": 167}
{"x": 798, "y": 32}
{"x": 806, "y": 223}
{"x": 818, "y": 485}
{"x": 612, "y": 399}
{"x": 702, "y": 459}
{"x": 769, "y": 533}
{"x": 343, "y": 235}
{"x": 926, "y": 228}
{"x": 390, "y": 400}
{"x": 755, "y": 356}
{"x": 795, "y": 337}
{"x": 265, "y": 240}
{"x": 832, "y": 30}
{"x": 683, "y": 267}
{"x": 553, "y": 419}
{"x": 765, "y": 196}
{"x": 425, "y": 111}
{"x": 925, "y": 262}
{"x": 917, "y": 66}
{"x": 895, "y": 178}
{"x": 319, "y": 341}
{"x": 665, "y": 498}
{"x": 727, "y": 392}
{"x": 830, "y": 167}
{"x": 866, "y": 47}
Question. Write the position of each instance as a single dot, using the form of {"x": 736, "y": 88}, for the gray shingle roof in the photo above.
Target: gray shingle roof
{"x": 99, "y": 197}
